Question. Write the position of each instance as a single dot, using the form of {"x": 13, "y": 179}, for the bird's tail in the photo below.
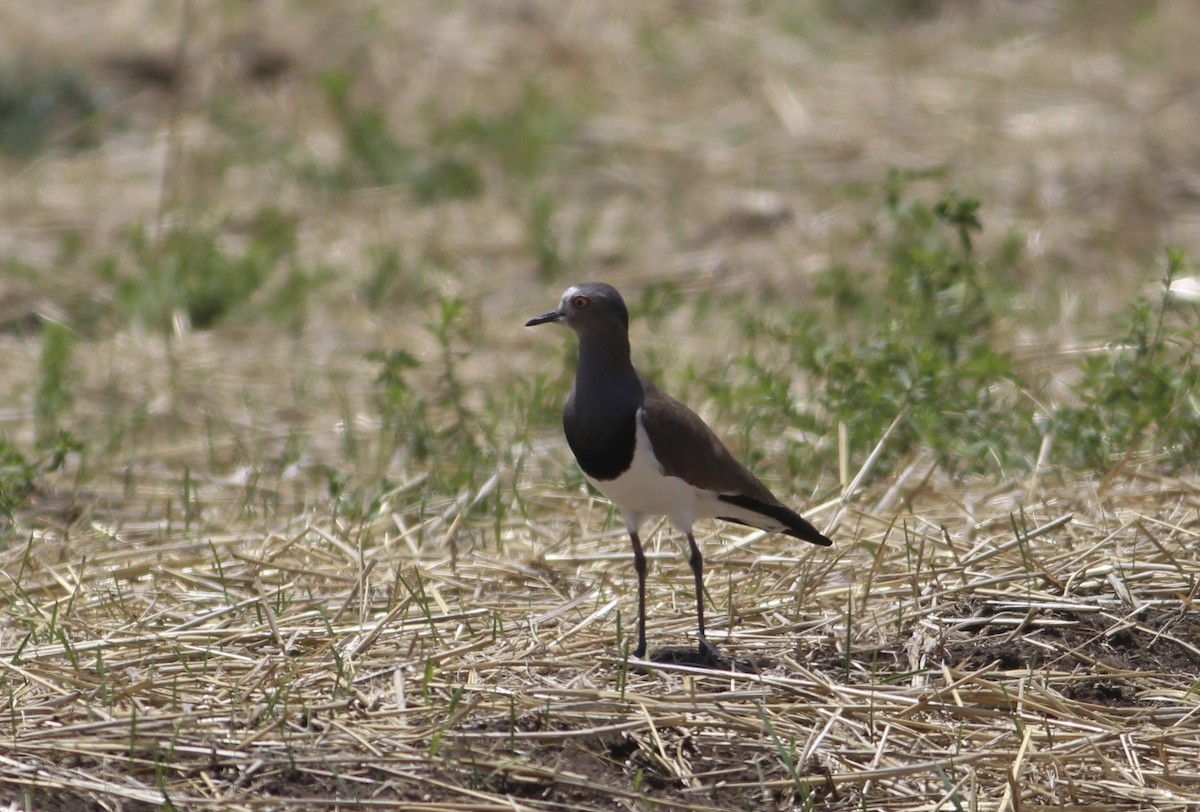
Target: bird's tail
{"x": 773, "y": 518}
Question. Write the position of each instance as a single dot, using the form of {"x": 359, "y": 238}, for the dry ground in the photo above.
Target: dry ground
{"x": 192, "y": 620}
{"x": 936, "y": 659}
{"x": 931, "y": 660}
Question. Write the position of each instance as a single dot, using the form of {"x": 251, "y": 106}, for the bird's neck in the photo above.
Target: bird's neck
{"x": 604, "y": 362}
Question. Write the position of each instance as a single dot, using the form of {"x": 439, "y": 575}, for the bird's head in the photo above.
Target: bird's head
{"x": 591, "y": 307}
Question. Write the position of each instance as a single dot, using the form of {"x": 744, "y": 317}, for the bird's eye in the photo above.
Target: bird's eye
{"x": 580, "y": 302}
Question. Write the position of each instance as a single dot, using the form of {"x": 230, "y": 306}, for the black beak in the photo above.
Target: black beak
{"x": 553, "y": 315}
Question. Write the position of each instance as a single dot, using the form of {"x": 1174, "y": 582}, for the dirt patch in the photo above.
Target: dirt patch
{"x": 1110, "y": 641}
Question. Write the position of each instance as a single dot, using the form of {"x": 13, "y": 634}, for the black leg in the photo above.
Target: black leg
{"x": 639, "y": 564}
{"x": 697, "y": 562}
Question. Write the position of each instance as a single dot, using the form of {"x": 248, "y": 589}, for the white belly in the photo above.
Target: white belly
{"x": 644, "y": 491}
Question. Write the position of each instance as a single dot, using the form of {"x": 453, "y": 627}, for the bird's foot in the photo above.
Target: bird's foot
{"x": 706, "y": 655}
{"x": 711, "y": 656}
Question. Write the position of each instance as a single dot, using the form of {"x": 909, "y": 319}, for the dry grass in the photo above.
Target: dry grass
{"x": 192, "y": 620}
{"x": 942, "y": 655}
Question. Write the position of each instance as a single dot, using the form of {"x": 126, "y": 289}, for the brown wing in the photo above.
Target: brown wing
{"x": 683, "y": 442}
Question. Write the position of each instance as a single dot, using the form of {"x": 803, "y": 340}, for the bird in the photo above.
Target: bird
{"x": 651, "y": 455}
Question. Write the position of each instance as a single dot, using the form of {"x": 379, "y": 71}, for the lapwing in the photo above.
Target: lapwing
{"x": 650, "y": 454}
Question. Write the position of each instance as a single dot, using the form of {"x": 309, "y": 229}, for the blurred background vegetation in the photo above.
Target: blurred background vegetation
{"x": 290, "y": 246}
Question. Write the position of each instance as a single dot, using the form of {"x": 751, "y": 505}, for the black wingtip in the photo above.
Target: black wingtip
{"x": 801, "y": 528}
{"x": 812, "y": 535}
{"x": 794, "y": 524}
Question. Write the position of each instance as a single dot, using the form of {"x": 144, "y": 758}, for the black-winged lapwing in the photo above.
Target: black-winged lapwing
{"x": 650, "y": 454}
